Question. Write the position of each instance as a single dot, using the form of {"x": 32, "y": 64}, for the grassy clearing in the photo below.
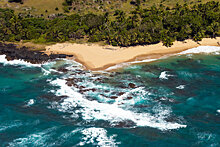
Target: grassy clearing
{"x": 100, "y": 8}
{"x": 38, "y": 7}
{"x": 35, "y": 7}
{"x": 172, "y": 3}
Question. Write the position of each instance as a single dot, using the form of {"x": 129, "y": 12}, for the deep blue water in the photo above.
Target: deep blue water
{"x": 175, "y": 102}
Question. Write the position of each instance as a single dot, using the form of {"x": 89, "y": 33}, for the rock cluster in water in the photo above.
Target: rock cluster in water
{"x": 12, "y": 52}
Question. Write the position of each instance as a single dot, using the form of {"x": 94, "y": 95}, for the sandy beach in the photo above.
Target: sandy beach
{"x": 96, "y": 57}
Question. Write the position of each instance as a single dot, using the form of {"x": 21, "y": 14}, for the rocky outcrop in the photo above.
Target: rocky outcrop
{"x": 132, "y": 85}
{"x": 13, "y": 52}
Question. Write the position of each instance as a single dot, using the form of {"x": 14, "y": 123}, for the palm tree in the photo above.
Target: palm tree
{"x": 214, "y": 28}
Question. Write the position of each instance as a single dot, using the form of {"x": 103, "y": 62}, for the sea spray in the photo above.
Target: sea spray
{"x": 99, "y": 135}
{"x": 189, "y": 52}
{"x": 4, "y": 61}
{"x": 164, "y": 75}
{"x": 202, "y": 49}
{"x": 93, "y": 110}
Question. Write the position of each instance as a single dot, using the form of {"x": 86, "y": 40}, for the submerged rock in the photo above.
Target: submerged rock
{"x": 62, "y": 69}
{"x": 129, "y": 98}
{"x": 121, "y": 93}
{"x": 132, "y": 85}
{"x": 113, "y": 97}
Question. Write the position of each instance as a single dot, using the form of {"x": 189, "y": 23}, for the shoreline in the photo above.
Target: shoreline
{"x": 15, "y": 52}
{"x": 95, "y": 57}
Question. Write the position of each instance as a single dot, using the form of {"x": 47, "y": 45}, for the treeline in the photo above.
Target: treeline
{"x": 141, "y": 26}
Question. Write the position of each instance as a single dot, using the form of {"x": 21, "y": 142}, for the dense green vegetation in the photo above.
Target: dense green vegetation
{"x": 141, "y": 26}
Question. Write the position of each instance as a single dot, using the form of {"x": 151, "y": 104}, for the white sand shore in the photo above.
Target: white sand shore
{"x": 96, "y": 57}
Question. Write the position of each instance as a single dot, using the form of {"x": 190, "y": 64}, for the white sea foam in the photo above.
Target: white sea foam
{"x": 62, "y": 139}
{"x": 4, "y": 127}
{"x": 202, "y": 49}
{"x": 45, "y": 67}
{"x": 164, "y": 75}
{"x": 205, "y": 137}
{"x": 118, "y": 66}
{"x": 48, "y": 71}
{"x": 218, "y": 111}
{"x": 35, "y": 139}
{"x": 128, "y": 64}
{"x": 98, "y": 137}
{"x": 30, "y": 102}
{"x": 93, "y": 110}
{"x": 180, "y": 87}
{"x": 143, "y": 61}
{"x": 17, "y": 62}
{"x": 140, "y": 93}
{"x": 73, "y": 63}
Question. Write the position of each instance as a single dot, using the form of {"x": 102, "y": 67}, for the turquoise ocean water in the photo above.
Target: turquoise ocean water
{"x": 175, "y": 102}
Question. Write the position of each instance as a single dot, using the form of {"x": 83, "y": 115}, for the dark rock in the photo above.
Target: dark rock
{"x": 143, "y": 106}
{"x": 122, "y": 86}
{"x": 86, "y": 90}
{"x": 125, "y": 124}
{"x": 82, "y": 91}
{"x": 129, "y": 98}
{"x": 62, "y": 69}
{"x": 131, "y": 85}
{"x": 13, "y": 52}
{"x": 72, "y": 82}
{"x": 92, "y": 89}
{"x": 103, "y": 95}
{"x": 113, "y": 97}
{"x": 121, "y": 93}
{"x": 53, "y": 97}
{"x": 111, "y": 75}
{"x": 69, "y": 83}
{"x": 98, "y": 79}
{"x": 82, "y": 87}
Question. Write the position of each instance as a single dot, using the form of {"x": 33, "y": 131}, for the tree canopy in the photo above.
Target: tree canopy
{"x": 141, "y": 26}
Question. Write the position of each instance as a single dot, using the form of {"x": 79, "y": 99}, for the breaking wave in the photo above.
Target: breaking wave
{"x": 4, "y": 61}
{"x": 202, "y": 49}
{"x": 35, "y": 139}
{"x": 113, "y": 113}
{"x": 98, "y": 137}
{"x": 164, "y": 75}
{"x": 4, "y": 127}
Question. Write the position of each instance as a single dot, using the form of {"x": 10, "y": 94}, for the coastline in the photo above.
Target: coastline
{"x": 95, "y": 57}
{"x": 12, "y": 51}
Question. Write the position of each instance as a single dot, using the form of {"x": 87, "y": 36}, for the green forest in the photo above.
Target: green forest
{"x": 139, "y": 27}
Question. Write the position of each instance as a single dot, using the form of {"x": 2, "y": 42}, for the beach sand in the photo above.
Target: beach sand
{"x": 96, "y": 57}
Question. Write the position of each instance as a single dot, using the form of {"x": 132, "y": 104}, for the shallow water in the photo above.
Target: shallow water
{"x": 173, "y": 101}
